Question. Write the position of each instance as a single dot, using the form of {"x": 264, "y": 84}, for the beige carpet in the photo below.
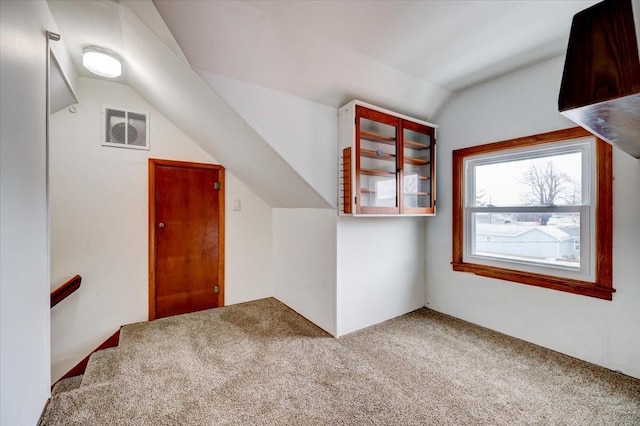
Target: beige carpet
{"x": 260, "y": 363}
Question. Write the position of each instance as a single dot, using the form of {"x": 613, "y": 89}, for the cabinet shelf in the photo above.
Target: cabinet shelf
{"x": 416, "y": 161}
{"x": 377, "y": 137}
{"x": 415, "y": 145}
{"x": 390, "y": 140}
{"x": 385, "y": 156}
{"x": 369, "y": 153}
{"x": 374, "y": 172}
{"x": 416, "y": 193}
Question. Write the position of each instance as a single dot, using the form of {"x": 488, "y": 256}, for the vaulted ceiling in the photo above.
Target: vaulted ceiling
{"x": 325, "y": 51}
{"x": 333, "y": 51}
{"x": 407, "y": 56}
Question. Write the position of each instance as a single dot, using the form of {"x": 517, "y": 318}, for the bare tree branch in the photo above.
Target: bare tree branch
{"x": 547, "y": 185}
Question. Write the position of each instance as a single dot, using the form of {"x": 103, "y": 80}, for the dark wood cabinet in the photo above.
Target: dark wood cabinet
{"x": 600, "y": 87}
{"x": 388, "y": 162}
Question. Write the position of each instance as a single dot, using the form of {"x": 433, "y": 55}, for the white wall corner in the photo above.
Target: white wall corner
{"x": 304, "y": 253}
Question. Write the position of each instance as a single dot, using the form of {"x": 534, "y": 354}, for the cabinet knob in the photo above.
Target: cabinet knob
{"x": 161, "y": 225}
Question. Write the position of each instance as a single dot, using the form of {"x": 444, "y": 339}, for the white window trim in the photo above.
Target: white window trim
{"x": 587, "y": 210}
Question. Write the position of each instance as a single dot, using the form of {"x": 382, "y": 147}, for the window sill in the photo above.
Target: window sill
{"x": 556, "y": 283}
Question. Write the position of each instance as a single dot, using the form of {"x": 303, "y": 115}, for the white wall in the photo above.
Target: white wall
{"x": 380, "y": 269}
{"x": 301, "y": 131}
{"x": 24, "y": 274}
{"x": 307, "y": 255}
{"x": 248, "y": 245}
{"x": 304, "y": 245}
{"x": 99, "y": 212}
{"x": 603, "y": 332}
{"x": 304, "y": 258}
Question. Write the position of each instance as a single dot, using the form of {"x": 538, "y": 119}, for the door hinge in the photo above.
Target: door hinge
{"x": 216, "y": 289}
{"x": 355, "y": 200}
{"x": 216, "y": 186}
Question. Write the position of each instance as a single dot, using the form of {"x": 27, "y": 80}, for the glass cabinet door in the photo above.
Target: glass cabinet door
{"x": 418, "y": 145}
{"x": 394, "y": 165}
{"x": 376, "y": 162}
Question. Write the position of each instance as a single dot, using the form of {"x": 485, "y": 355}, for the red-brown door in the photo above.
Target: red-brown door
{"x": 186, "y": 236}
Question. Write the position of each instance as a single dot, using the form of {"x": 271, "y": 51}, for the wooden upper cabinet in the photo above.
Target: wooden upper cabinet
{"x": 388, "y": 162}
{"x": 600, "y": 88}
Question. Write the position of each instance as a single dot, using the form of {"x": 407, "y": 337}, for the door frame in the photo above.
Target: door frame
{"x": 153, "y": 163}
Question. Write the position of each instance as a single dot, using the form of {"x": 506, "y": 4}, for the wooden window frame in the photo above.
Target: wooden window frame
{"x": 602, "y": 288}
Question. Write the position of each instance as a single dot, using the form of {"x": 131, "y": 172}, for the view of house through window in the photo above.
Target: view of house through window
{"x": 527, "y": 208}
{"x": 536, "y": 210}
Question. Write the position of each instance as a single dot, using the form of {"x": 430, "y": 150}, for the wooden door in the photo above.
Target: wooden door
{"x": 186, "y": 237}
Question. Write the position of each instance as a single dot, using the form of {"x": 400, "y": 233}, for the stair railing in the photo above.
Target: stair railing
{"x": 65, "y": 290}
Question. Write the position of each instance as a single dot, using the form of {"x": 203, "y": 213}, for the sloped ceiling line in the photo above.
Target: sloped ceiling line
{"x": 207, "y": 119}
{"x": 162, "y": 77}
{"x": 404, "y": 56}
{"x": 240, "y": 41}
{"x": 304, "y": 133}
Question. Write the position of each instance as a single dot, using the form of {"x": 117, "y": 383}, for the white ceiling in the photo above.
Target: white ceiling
{"x": 404, "y": 55}
{"x": 300, "y": 47}
{"x": 452, "y": 44}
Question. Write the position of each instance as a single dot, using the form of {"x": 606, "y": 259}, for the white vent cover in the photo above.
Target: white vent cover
{"x": 125, "y": 129}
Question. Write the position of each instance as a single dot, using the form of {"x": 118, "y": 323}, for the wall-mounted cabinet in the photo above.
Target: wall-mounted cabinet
{"x": 387, "y": 164}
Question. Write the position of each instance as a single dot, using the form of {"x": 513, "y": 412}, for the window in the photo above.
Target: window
{"x": 536, "y": 210}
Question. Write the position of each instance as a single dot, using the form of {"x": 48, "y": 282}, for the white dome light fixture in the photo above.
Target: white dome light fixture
{"x": 101, "y": 62}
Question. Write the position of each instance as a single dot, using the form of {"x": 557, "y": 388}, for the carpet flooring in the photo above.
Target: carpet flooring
{"x": 260, "y": 363}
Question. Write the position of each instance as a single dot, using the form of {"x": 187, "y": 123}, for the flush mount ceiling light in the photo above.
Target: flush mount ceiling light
{"x": 101, "y": 62}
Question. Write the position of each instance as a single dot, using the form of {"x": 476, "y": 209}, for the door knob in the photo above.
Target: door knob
{"x": 161, "y": 225}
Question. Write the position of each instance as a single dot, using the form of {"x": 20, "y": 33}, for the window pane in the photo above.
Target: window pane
{"x": 542, "y": 181}
{"x": 538, "y": 238}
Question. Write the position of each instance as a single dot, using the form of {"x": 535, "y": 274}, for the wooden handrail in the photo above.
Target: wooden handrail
{"x": 65, "y": 290}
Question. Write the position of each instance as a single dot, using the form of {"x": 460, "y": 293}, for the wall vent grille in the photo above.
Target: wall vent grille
{"x": 125, "y": 129}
